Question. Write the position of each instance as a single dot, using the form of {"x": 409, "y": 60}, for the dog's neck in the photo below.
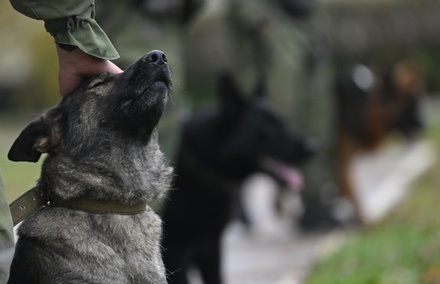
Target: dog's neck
{"x": 191, "y": 163}
{"x": 102, "y": 206}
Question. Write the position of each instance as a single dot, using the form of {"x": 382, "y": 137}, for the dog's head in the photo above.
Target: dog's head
{"x": 101, "y": 139}
{"x": 250, "y": 135}
{"x": 372, "y": 105}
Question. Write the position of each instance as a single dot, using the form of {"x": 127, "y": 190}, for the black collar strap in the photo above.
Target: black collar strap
{"x": 33, "y": 199}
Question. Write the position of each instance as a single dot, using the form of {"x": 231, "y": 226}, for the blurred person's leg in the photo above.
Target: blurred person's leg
{"x": 6, "y": 236}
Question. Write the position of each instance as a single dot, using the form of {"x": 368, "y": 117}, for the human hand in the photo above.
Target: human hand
{"x": 76, "y": 65}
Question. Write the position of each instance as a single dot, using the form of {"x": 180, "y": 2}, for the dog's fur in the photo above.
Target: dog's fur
{"x": 220, "y": 147}
{"x": 368, "y": 115}
{"x": 101, "y": 144}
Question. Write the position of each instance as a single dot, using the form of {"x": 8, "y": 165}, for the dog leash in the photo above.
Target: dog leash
{"x": 34, "y": 199}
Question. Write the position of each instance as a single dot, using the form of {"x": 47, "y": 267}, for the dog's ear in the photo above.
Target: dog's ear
{"x": 39, "y": 137}
{"x": 407, "y": 80}
{"x": 231, "y": 99}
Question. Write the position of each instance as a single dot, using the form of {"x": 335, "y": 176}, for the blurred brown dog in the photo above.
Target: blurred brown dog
{"x": 370, "y": 109}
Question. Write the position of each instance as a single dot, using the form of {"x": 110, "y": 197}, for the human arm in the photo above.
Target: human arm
{"x": 72, "y": 23}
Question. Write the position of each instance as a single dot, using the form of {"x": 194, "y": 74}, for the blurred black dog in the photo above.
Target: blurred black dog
{"x": 220, "y": 147}
{"x": 102, "y": 173}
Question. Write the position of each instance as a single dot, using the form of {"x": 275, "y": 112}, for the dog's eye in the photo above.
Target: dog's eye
{"x": 97, "y": 83}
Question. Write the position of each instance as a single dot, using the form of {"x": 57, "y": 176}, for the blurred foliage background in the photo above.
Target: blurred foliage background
{"x": 28, "y": 66}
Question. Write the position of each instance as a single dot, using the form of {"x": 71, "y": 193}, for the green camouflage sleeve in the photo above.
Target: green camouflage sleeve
{"x": 70, "y": 22}
{"x": 6, "y": 236}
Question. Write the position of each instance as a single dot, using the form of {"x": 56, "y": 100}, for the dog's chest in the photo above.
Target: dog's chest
{"x": 115, "y": 248}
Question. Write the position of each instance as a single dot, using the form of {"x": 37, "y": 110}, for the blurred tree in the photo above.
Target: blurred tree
{"x": 357, "y": 29}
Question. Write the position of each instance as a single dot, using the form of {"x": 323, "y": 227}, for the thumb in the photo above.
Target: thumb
{"x": 68, "y": 83}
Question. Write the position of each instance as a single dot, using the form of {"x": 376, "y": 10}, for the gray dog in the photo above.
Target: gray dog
{"x": 102, "y": 171}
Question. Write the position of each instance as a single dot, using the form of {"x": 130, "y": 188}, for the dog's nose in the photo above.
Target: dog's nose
{"x": 156, "y": 57}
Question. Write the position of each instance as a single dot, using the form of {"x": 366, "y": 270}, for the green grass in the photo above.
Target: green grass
{"x": 17, "y": 177}
{"x": 402, "y": 249}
